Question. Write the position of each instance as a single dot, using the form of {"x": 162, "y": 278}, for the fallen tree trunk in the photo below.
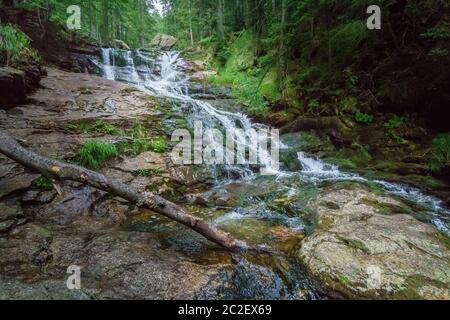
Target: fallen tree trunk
{"x": 64, "y": 171}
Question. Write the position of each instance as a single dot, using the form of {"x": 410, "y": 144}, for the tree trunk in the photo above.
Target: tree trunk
{"x": 191, "y": 34}
{"x": 282, "y": 57}
{"x": 220, "y": 21}
{"x": 64, "y": 171}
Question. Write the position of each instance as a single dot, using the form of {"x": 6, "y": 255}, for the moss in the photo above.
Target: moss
{"x": 440, "y": 152}
{"x": 351, "y": 159}
{"x": 147, "y": 172}
{"x": 345, "y": 281}
{"x": 44, "y": 183}
{"x": 94, "y": 127}
{"x": 270, "y": 87}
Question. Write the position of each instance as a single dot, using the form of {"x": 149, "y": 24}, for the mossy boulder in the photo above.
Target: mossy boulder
{"x": 362, "y": 250}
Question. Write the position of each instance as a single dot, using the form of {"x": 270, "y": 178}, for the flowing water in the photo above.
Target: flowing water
{"x": 269, "y": 205}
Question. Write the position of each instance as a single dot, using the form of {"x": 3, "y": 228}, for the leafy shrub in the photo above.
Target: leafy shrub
{"x": 440, "y": 152}
{"x": 95, "y": 153}
{"x": 13, "y": 43}
{"x": 363, "y": 118}
{"x": 348, "y": 104}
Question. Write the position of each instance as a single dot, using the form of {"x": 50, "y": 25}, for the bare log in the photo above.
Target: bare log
{"x": 64, "y": 171}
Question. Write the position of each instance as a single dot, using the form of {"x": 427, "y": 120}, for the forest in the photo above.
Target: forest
{"x": 354, "y": 198}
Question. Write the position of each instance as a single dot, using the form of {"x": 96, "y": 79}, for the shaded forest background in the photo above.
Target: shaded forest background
{"x": 291, "y": 59}
{"x": 313, "y": 57}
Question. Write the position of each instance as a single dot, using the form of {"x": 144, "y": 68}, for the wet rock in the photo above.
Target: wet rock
{"x": 246, "y": 281}
{"x": 359, "y": 252}
{"x": 164, "y": 41}
{"x": 115, "y": 265}
{"x": 13, "y": 289}
{"x": 223, "y": 198}
{"x": 12, "y": 86}
{"x": 197, "y": 198}
{"x": 112, "y": 210}
{"x": 38, "y": 197}
{"x": 145, "y": 161}
{"x": 71, "y": 203}
{"x": 202, "y": 76}
{"x": 333, "y": 127}
{"x": 17, "y": 183}
{"x": 188, "y": 175}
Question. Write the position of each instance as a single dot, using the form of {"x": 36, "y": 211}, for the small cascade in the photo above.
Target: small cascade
{"x": 108, "y": 67}
{"x": 164, "y": 77}
{"x": 172, "y": 83}
{"x": 315, "y": 170}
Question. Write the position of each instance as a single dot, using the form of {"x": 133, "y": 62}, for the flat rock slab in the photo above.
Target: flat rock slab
{"x": 145, "y": 161}
{"x": 17, "y": 183}
{"x": 357, "y": 252}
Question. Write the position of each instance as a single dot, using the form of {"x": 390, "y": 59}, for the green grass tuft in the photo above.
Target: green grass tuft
{"x": 95, "y": 127}
{"x": 95, "y": 153}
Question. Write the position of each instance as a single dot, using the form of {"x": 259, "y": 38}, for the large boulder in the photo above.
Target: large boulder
{"x": 360, "y": 249}
{"x": 164, "y": 41}
{"x": 15, "y": 84}
{"x": 12, "y": 86}
{"x": 119, "y": 44}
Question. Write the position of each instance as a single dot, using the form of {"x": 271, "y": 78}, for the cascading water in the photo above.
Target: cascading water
{"x": 165, "y": 78}
{"x": 108, "y": 67}
{"x": 317, "y": 171}
{"x": 259, "y": 214}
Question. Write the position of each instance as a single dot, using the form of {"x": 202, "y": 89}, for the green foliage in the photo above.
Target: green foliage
{"x": 147, "y": 172}
{"x": 132, "y": 21}
{"x": 13, "y": 43}
{"x": 239, "y": 72}
{"x": 345, "y": 39}
{"x": 139, "y": 145}
{"x": 142, "y": 141}
{"x": 94, "y": 127}
{"x": 44, "y": 183}
{"x": 363, "y": 118}
{"x": 95, "y": 153}
{"x": 348, "y": 104}
{"x": 395, "y": 122}
{"x": 438, "y": 32}
{"x": 440, "y": 152}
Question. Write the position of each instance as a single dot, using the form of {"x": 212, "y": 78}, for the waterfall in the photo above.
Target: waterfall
{"x": 169, "y": 81}
{"x": 173, "y": 83}
{"x": 108, "y": 68}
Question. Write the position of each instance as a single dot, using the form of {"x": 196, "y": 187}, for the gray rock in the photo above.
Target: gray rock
{"x": 357, "y": 251}
{"x": 17, "y": 183}
{"x": 164, "y": 41}
{"x": 119, "y": 44}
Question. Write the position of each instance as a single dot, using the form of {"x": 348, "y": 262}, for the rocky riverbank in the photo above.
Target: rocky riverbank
{"x": 333, "y": 239}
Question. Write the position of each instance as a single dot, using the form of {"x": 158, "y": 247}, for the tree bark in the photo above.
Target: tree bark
{"x": 63, "y": 171}
{"x": 220, "y": 20}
